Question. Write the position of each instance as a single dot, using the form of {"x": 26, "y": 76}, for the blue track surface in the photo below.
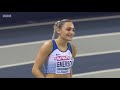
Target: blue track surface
{"x": 38, "y": 33}
{"x": 81, "y": 65}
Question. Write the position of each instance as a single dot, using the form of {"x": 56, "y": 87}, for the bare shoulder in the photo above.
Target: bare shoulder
{"x": 47, "y": 46}
{"x": 48, "y": 43}
{"x": 74, "y": 50}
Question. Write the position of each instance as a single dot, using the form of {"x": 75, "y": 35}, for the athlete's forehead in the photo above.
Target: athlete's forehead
{"x": 68, "y": 24}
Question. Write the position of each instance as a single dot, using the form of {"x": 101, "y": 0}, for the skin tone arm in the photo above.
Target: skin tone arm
{"x": 74, "y": 52}
{"x": 42, "y": 55}
{"x": 71, "y": 72}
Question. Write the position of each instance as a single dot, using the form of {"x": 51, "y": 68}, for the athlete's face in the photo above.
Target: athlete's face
{"x": 67, "y": 31}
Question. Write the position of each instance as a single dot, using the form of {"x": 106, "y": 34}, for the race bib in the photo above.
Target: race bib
{"x": 63, "y": 64}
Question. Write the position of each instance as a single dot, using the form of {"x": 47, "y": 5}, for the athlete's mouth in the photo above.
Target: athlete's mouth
{"x": 70, "y": 36}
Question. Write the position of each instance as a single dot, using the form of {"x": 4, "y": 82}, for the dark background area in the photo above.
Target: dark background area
{"x": 15, "y": 18}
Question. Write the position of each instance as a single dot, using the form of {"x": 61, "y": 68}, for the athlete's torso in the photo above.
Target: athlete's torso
{"x": 59, "y": 62}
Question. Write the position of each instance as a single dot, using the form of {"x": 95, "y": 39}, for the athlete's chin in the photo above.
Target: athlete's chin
{"x": 69, "y": 39}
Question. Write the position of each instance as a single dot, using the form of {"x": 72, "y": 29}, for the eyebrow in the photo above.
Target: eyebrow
{"x": 70, "y": 27}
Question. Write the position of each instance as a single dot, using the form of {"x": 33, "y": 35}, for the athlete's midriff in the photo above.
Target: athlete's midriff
{"x": 58, "y": 76}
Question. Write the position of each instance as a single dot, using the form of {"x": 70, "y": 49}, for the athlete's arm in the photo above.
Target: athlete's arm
{"x": 71, "y": 73}
{"x": 74, "y": 52}
{"x": 42, "y": 55}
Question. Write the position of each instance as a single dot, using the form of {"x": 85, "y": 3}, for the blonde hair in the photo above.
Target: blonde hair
{"x": 59, "y": 24}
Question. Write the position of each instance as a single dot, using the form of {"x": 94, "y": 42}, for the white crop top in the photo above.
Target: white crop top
{"x": 59, "y": 62}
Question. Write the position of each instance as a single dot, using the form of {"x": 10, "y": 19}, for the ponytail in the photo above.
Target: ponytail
{"x": 55, "y": 29}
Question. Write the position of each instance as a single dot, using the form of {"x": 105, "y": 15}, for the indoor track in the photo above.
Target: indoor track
{"x": 97, "y": 41}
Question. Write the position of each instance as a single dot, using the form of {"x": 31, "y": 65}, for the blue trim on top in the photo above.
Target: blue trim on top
{"x": 69, "y": 47}
{"x": 54, "y": 45}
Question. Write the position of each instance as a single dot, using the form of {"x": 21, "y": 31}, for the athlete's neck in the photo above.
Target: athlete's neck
{"x": 61, "y": 42}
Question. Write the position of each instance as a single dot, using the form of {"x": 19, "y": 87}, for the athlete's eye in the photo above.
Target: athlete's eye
{"x": 68, "y": 29}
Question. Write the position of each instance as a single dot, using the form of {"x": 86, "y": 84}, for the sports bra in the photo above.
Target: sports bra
{"x": 59, "y": 62}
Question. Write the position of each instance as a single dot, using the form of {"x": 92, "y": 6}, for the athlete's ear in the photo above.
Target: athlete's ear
{"x": 59, "y": 31}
